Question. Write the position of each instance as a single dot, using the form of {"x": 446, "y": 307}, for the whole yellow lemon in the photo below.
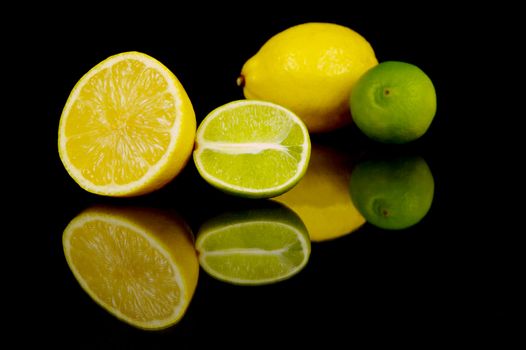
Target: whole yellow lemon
{"x": 310, "y": 69}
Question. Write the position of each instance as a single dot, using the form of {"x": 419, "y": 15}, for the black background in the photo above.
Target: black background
{"x": 413, "y": 286}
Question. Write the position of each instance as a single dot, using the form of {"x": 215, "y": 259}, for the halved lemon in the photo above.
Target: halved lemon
{"x": 127, "y": 128}
{"x": 138, "y": 264}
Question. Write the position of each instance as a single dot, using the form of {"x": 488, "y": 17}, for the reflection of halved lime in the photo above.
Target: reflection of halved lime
{"x": 394, "y": 193}
{"x": 254, "y": 246}
{"x": 252, "y": 149}
{"x": 393, "y": 102}
{"x": 322, "y": 198}
{"x": 139, "y": 265}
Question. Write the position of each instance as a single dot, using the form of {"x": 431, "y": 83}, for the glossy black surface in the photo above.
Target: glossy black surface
{"x": 372, "y": 282}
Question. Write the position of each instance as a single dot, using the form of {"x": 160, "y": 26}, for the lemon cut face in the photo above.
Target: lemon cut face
{"x": 138, "y": 264}
{"x": 127, "y": 128}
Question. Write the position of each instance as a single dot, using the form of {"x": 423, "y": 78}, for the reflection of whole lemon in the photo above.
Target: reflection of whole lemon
{"x": 310, "y": 69}
{"x": 322, "y": 198}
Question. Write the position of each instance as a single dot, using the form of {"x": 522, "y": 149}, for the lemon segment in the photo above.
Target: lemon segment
{"x": 127, "y": 128}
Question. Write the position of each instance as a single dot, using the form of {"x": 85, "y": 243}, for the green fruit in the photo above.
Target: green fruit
{"x": 254, "y": 246}
{"x": 393, "y": 194}
{"x": 393, "y": 102}
{"x": 252, "y": 149}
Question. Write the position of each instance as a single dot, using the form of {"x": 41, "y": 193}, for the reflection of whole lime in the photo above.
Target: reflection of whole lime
{"x": 393, "y": 194}
{"x": 393, "y": 102}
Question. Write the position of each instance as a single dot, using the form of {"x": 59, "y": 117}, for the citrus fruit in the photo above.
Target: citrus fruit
{"x": 394, "y": 102}
{"x": 252, "y": 148}
{"x": 322, "y": 199}
{"x": 138, "y": 264}
{"x": 310, "y": 69}
{"x": 253, "y": 246}
{"x": 393, "y": 193}
{"x": 127, "y": 127}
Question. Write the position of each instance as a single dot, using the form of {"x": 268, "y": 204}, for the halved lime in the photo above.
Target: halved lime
{"x": 254, "y": 246}
{"x": 252, "y": 149}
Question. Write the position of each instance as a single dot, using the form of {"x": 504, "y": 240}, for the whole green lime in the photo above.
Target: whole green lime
{"x": 393, "y": 194}
{"x": 393, "y": 102}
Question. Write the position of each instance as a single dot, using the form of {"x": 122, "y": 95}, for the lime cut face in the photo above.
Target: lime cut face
{"x": 252, "y": 149}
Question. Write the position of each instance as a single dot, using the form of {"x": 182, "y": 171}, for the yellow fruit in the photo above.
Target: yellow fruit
{"x": 310, "y": 69}
{"x": 322, "y": 199}
{"x": 127, "y": 128}
{"x": 138, "y": 264}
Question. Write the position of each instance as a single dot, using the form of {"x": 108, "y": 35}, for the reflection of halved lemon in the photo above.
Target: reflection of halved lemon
{"x": 322, "y": 197}
{"x": 139, "y": 265}
{"x": 127, "y": 128}
{"x": 254, "y": 246}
